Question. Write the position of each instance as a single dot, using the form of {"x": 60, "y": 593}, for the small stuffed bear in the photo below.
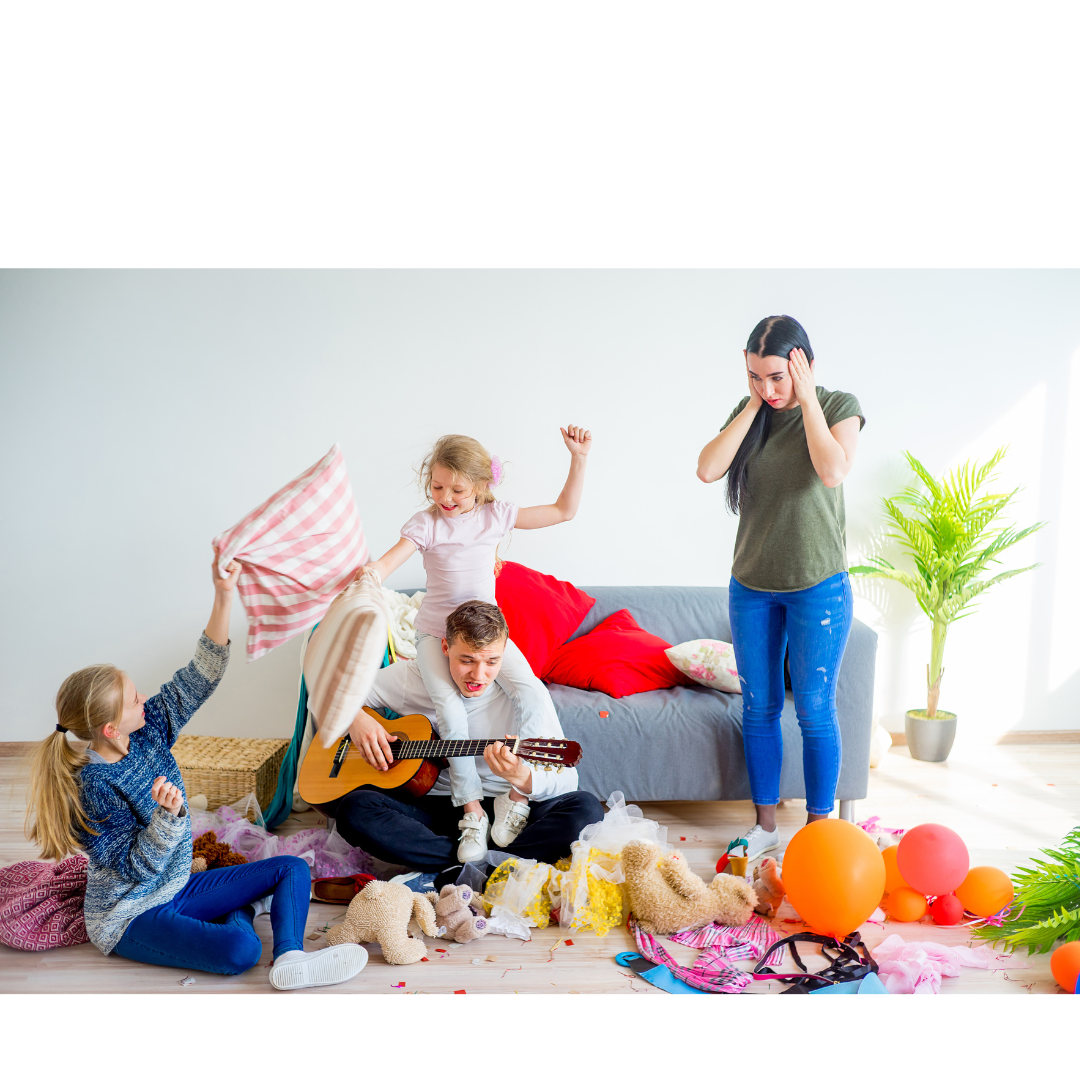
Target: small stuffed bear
{"x": 769, "y": 887}
{"x": 380, "y": 912}
{"x": 208, "y": 853}
{"x": 665, "y": 895}
{"x": 453, "y": 913}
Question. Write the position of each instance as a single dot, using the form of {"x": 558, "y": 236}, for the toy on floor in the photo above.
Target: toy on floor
{"x": 665, "y": 895}
{"x": 207, "y": 853}
{"x": 380, "y": 913}
{"x": 834, "y": 875}
{"x": 768, "y": 887}
{"x": 453, "y": 913}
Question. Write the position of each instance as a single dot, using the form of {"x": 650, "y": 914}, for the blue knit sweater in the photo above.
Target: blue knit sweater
{"x": 141, "y": 856}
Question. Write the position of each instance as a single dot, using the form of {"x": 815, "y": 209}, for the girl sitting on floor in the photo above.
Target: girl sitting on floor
{"x": 459, "y": 534}
{"x": 122, "y": 800}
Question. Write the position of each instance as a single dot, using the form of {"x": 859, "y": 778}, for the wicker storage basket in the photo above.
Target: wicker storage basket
{"x": 225, "y": 770}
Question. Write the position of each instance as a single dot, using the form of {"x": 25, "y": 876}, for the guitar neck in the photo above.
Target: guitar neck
{"x": 442, "y": 748}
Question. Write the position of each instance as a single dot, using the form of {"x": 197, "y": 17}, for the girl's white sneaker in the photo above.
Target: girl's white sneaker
{"x": 758, "y": 842}
{"x": 295, "y": 970}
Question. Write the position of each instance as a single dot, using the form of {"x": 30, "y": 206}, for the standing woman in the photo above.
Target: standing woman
{"x": 786, "y": 450}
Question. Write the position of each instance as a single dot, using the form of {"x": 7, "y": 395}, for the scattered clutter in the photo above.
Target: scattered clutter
{"x": 380, "y": 913}
{"x": 932, "y": 859}
{"x": 768, "y": 887}
{"x": 985, "y": 891}
{"x": 850, "y": 965}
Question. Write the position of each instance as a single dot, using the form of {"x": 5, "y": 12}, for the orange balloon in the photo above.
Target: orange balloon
{"x": 1065, "y": 966}
{"x": 893, "y": 879}
{"x": 985, "y": 891}
{"x": 833, "y": 875}
{"x": 905, "y": 905}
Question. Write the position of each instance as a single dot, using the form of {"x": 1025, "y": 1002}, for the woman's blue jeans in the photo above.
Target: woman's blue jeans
{"x": 207, "y": 925}
{"x": 814, "y": 624}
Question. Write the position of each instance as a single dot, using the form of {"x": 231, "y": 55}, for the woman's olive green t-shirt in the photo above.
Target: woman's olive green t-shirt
{"x": 792, "y": 532}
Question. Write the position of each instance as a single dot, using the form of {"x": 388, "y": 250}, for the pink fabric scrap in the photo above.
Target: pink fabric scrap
{"x": 741, "y": 942}
{"x": 917, "y": 967}
{"x": 41, "y": 904}
{"x": 298, "y": 550}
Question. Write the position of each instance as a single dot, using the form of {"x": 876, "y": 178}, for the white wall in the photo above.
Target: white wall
{"x": 144, "y": 412}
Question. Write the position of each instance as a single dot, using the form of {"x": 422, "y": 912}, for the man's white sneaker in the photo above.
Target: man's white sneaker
{"x": 336, "y": 964}
{"x": 510, "y": 818}
{"x": 474, "y": 834}
{"x": 758, "y": 842}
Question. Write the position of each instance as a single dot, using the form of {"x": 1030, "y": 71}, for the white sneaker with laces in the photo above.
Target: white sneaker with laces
{"x": 335, "y": 964}
{"x": 474, "y": 834}
{"x": 758, "y": 842}
{"x": 510, "y": 818}
{"x": 262, "y": 905}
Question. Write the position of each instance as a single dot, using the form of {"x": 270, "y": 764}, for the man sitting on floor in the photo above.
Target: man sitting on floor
{"x": 423, "y": 833}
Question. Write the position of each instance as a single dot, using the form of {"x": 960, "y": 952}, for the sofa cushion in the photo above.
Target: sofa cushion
{"x": 708, "y": 662}
{"x": 617, "y": 658}
{"x": 541, "y": 611}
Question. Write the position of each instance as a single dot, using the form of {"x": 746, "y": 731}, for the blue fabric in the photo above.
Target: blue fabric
{"x": 208, "y": 924}
{"x": 813, "y": 624}
{"x": 281, "y": 804}
{"x": 868, "y": 984}
{"x": 141, "y": 855}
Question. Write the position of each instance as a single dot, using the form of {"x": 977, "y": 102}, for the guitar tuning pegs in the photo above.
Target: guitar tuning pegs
{"x": 547, "y": 768}
{"x": 558, "y": 768}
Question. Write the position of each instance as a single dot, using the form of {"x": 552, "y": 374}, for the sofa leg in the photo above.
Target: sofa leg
{"x": 847, "y": 809}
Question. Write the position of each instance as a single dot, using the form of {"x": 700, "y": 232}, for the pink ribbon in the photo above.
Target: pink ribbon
{"x": 870, "y": 825}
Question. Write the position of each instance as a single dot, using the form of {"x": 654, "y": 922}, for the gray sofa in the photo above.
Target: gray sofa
{"x": 686, "y": 743}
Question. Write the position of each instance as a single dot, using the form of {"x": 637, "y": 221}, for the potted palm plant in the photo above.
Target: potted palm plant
{"x": 954, "y": 534}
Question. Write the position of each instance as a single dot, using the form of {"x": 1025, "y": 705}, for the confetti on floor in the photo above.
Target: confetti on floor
{"x": 491, "y": 959}
{"x": 518, "y": 968}
{"x": 187, "y": 981}
{"x": 459, "y": 991}
{"x": 397, "y": 986}
{"x": 440, "y": 950}
{"x": 476, "y": 961}
{"x": 568, "y": 942}
{"x": 603, "y": 715}
{"x": 423, "y": 959}
{"x": 313, "y": 937}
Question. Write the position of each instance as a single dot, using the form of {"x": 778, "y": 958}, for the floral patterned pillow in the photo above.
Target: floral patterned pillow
{"x": 711, "y": 663}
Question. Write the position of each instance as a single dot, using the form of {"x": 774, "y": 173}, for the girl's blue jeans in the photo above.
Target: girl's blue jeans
{"x": 814, "y": 624}
{"x": 207, "y": 925}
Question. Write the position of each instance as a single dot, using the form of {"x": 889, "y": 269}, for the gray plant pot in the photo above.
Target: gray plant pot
{"x": 929, "y": 740}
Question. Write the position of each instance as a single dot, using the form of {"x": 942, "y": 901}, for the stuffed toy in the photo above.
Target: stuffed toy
{"x": 207, "y": 853}
{"x": 380, "y": 912}
{"x": 452, "y": 913}
{"x": 769, "y": 887}
{"x": 665, "y": 895}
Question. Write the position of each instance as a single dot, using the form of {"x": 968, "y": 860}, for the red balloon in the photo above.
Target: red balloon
{"x": 947, "y": 910}
{"x": 932, "y": 859}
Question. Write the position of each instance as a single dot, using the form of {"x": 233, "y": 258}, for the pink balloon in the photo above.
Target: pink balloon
{"x": 932, "y": 859}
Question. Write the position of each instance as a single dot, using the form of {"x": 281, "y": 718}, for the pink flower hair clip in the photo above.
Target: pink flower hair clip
{"x": 496, "y": 472}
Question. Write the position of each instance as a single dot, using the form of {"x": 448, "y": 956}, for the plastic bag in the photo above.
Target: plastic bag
{"x": 588, "y": 890}
{"x": 519, "y": 887}
{"x": 327, "y": 853}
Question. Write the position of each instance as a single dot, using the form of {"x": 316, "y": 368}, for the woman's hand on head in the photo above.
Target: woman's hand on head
{"x": 166, "y": 795}
{"x": 756, "y": 400}
{"x": 802, "y": 377}
{"x": 577, "y": 439}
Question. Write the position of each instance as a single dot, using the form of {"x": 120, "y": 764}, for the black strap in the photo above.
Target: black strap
{"x": 845, "y": 966}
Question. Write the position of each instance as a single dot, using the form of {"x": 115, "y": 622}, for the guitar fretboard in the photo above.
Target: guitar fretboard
{"x": 439, "y": 748}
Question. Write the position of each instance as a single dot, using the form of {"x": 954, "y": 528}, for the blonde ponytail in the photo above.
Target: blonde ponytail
{"x": 85, "y": 703}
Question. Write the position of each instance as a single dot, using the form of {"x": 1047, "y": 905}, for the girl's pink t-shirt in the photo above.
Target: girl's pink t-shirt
{"x": 459, "y": 557}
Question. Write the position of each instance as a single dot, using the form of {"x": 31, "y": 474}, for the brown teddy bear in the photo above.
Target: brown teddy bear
{"x": 208, "y": 853}
{"x": 453, "y": 913}
{"x": 665, "y": 895}
{"x": 380, "y": 912}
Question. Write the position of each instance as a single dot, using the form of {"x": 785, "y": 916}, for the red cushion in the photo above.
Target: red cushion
{"x": 617, "y": 658}
{"x": 541, "y": 611}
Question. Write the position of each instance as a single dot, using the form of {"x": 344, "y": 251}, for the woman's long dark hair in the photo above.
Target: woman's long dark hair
{"x": 775, "y": 336}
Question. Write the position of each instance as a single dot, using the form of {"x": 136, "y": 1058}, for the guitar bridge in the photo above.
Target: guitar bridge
{"x": 339, "y": 756}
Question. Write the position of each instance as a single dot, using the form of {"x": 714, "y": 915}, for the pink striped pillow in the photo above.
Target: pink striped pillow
{"x": 298, "y": 551}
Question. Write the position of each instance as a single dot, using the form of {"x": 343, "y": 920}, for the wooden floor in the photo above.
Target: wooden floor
{"x": 1006, "y": 801}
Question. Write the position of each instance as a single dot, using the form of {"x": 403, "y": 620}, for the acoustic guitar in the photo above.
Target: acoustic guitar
{"x": 329, "y": 773}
